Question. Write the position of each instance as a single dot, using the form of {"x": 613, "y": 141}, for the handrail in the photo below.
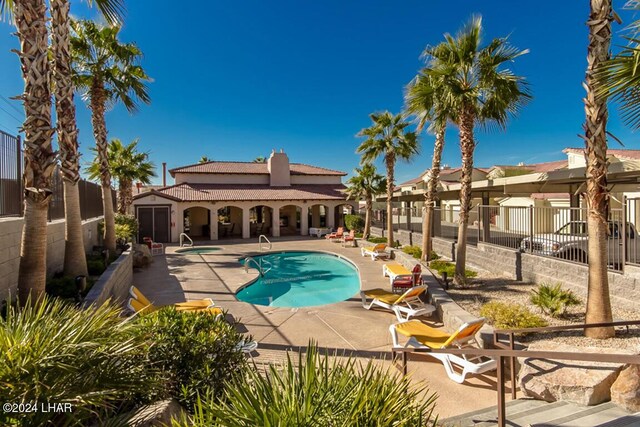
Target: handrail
{"x": 257, "y": 264}
{"x": 182, "y": 236}
{"x": 260, "y": 239}
{"x": 502, "y": 353}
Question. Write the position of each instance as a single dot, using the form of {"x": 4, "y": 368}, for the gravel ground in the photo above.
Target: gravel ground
{"x": 490, "y": 287}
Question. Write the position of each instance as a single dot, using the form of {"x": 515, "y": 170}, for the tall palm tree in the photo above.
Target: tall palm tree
{"x": 204, "y": 159}
{"x": 424, "y": 99}
{"x": 388, "y": 137}
{"x": 30, "y": 19}
{"x": 481, "y": 92}
{"x": 75, "y": 262}
{"x": 366, "y": 183}
{"x": 622, "y": 82}
{"x": 126, "y": 165}
{"x": 260, "y": 159}
{"x": 108, "y": 72}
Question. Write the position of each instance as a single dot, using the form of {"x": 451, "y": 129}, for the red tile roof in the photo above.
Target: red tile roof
{"x": 251, "y": 168}
{"x": 248, "y": 192}
{"x": 537, "y": 167}
{"x": 620, "y": 153}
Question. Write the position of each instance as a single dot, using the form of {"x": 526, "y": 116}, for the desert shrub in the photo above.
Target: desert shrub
{"x": 414, "y": 251}
{"x": 553, "y": 300}
{"x": 316, "y": 390}
{"x": 53, "y": 352}
{"x": 194, "y": 351}
{"x": 354, "y": 222}
{"x": 377, "y": 239}
{"x": 449, "y": 268}
{"x": 126, "y": 228}
{"x": 511, "y": 316}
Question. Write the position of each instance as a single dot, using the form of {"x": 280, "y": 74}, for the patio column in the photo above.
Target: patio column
{"x": 486, "y": 224}
{"x": 275, "y": 232}
{"x": 246, "y": 226}
{"x": 304, "y": 220}
{"x": 437, "y": 220}
{"x": 315, "y": 216}
{"x": 331, "y": 216}
{"x": 213, "y": 223}
{"x": 408, "y": 214}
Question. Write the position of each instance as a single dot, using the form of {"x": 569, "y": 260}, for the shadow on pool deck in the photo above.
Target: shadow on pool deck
{"x": 342, "y": 327}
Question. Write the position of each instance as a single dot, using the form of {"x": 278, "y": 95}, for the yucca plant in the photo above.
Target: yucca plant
{"x": 316, "y": 390}
{"x": 553, "y": 300}
{"x": 52, "y": 352}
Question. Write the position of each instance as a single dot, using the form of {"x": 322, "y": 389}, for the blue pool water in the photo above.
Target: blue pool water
{"x": 301, "y": 279}
{"x": 198, "y": 250}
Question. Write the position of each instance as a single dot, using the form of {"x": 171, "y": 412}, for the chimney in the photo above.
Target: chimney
{"x": 278, "y": 167}
{"x": 164, "y": 174}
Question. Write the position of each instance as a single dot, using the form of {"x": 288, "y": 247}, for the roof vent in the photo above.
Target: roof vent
{"x": 521, "y": 164}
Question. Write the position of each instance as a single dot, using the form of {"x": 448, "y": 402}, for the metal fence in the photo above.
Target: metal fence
{"x": 11, "y": 194}
{"x": 10, "y": 175}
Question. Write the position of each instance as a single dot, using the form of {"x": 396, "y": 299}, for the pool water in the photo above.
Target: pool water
{"x": 301, "y": 279}
{"x": 197, "y": 250}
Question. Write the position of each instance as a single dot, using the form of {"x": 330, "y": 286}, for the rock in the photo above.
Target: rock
{"x": 581, "y": 382}
{"x": 625, "y": 391}
{"x": 141, "y": 256}
{"x": 156, "y": 414}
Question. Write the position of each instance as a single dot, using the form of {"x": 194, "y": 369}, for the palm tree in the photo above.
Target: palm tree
{"x": 480, "y": 92}
{"x": 204, "y": 159}
{"x": 260, "y": 159}
{"x": 75, "y": 262}
{"x": 366, "y": 183}
{"x": 388, "y": 138}
{"x": 108, "y": 71}
{"x": 622, "y": 82}
{"x": 39, "y": 158}
{"x": 126, "y": 165}
{"x": 424, "y": 99}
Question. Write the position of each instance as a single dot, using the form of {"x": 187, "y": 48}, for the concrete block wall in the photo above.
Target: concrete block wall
{"x": 114, "y": 283}
{"x": 10, "y": 241}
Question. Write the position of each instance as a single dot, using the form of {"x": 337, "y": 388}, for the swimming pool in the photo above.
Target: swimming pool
{"x": 301, "y": 279}
{"x": 197, "y": 250}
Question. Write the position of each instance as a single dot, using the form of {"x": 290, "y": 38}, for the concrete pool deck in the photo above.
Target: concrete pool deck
{"x": 343, "y": 326}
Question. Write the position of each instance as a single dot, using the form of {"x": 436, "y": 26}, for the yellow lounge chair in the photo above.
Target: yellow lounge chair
{"x": 408, "y": 304}
{"x": 202, "y": 303}
{"x": 375, "y": 252}
{"x": 426, "y": 337}
{"x": 141, "y": 308}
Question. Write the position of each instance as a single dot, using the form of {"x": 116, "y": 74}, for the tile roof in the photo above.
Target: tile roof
{"x": 187, "y": 192}
{"x": 251, "y": 168}
{"x": 537, "y": 167}
{"x": 620, "y": 153}
{"x": 543, "y": 196}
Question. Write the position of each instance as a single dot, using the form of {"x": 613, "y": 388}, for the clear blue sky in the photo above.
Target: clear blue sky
{"x": 232, "y": 80}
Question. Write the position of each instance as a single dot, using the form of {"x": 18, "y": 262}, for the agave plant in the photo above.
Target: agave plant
{"x": 553, "y": 300}
{"x": 316, "y": 390}
{"x": 53, "y": 352}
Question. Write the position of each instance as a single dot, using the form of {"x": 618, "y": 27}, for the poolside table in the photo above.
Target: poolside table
{"x": 319, "y": 231}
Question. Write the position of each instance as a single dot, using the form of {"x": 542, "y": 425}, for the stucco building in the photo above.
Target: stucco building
{"x": 219, "y": 199}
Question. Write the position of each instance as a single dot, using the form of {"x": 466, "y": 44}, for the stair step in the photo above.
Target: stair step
{"x": 490, "y": 414}
{"x": 582, "y": 415}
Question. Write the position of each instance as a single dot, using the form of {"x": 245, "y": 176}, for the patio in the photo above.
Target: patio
{"x": 344, "y": 326}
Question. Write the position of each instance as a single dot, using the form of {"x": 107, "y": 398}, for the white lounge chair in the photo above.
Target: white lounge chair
{"x": 375, "y": 252}
{"x": 404, "y": 306}
{"x": 424, "y": 336}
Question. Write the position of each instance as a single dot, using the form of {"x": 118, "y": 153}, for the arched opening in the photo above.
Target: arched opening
{"x": 318, "y": 216}
{"x": 229, "y": 222}
{"x": 290, "y": 220}
{"x": 260, "y": 220}
{"x": 197, "y": 223}
{"x": 340, "y": 212}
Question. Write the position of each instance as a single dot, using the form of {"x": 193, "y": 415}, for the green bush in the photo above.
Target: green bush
{"x": 96, "y": 266}
{"x": 553, "y": 300}
{"x": 511, "y": 316}
{"x": 126, "y": 228}
{"x": 377, "y": 239}
{"x": 354, "y": 222}
{"x": 449, "y": 268}
{"x": 316, "y": 390}
{"x": 414, "y": 251}
{"x": 53, "y": 352}
{"x": 194, "y": 351}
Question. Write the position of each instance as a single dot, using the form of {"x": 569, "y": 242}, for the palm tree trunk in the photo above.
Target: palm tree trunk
{"x": 39, "y": 158}
{"x": 125, "y": 196}
{"x": 598, "y": 299}
{"x": 467, "y": 146}
{"x": 98, "y": 99}
{"x": 75, "y": 262}
{"x": 390, "y": 162}
{"x": 430, "y": 196}
{"x": 367, "y": 217}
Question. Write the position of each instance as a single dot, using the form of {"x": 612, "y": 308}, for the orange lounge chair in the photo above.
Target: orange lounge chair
{"x": 351, "y": 237}
{"x": 336, "y": 235}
